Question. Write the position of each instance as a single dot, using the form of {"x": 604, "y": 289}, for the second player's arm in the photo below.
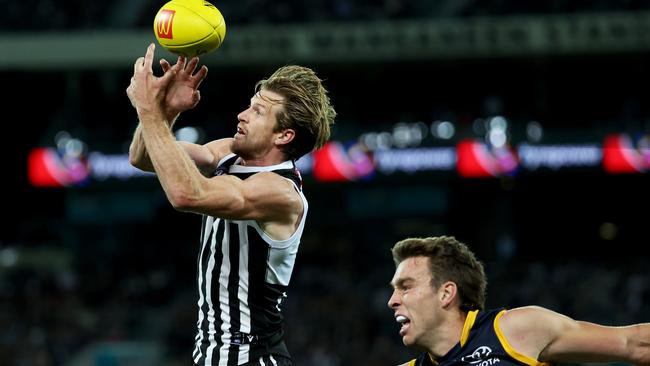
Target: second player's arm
{"x": 552, "y": 337}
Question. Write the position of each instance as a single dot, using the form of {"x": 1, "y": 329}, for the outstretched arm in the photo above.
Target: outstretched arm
{"x": 552, "y": 337}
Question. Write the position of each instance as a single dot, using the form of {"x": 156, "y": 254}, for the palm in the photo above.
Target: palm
{"x": 182, "y": 93}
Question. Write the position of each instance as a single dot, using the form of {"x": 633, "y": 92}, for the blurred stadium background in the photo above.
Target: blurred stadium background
{"x": 521, "y": 128}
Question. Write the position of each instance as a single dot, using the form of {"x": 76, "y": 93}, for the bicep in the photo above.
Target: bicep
{"x": 579, "y": 341}
{"x": 263, "y": 196}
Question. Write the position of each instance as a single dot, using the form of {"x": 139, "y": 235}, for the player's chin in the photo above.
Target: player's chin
{"x": 408, "y": 341}
{"x": 411, "y": 339}
{"x": 237, "y": 147}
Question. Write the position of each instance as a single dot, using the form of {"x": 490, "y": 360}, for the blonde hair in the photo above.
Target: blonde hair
{"x": 306, "y": 108}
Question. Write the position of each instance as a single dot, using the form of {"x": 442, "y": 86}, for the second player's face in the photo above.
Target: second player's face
{"x": 255, "y": 131}
{"x": 415, "y": 302}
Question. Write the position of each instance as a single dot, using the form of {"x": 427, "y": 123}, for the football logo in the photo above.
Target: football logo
{"x": 164, "y": 26}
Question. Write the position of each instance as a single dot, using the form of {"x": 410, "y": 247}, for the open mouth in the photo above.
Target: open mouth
{"x": 404, "y": 321}
{"x": 240, "y": 131}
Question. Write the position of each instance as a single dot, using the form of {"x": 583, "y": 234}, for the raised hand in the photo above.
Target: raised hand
{"x": 183, "y": 91}
{"x": 146, "y": 91}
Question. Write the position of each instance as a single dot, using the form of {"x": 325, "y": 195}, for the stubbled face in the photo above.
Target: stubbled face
{"x": 255, "y": 137}
{"x": 415, "y": 302}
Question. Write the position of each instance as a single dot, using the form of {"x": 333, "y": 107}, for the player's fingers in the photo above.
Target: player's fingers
{"x": 148, "y": 57}
{"x": 166, "y": 78}
{"x": 181, "y": 62}
{"x": 191, "y": 66}
{"x": 165, "y": 65}
{"x": 200, "y": 75}
{"x": 138, "y": 64}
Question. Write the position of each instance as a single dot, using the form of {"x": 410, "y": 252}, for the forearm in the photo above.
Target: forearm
{"x": 138, "y": 156}
{"x": 178, "y": 175}
{"x": 639, "y": 344}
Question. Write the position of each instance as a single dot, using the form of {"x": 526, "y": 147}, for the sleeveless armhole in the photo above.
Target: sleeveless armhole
{"x": 224, "y": 159}
{"x": 282, "y": 244}
{"x": 511, "y": 351}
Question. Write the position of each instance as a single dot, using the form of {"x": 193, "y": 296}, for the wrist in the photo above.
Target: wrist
{"x": 171, "y": 116}
{"x": 148, "y": 116}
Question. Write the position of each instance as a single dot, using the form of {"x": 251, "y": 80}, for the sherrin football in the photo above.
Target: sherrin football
{"x": 189, "y": 27}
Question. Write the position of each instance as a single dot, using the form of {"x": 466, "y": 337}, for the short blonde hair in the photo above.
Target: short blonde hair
{"x": 306, "y": 108}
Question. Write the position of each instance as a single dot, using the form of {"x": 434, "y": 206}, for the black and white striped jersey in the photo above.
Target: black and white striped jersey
{"x": 243, "y": 276}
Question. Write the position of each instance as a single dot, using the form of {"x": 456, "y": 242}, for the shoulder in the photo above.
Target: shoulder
{"x": 528, "y": 316}
{"x": 522, "y": 319}
{"x": 274, "y": 196}
{"x": 272, "y": 180}
{"x": 530, "y": 329}
{"x": 219, "y": 148}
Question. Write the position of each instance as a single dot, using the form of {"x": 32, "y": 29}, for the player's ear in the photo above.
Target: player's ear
{"x": 447, "y": 293}
{"x": 285, "y": 136}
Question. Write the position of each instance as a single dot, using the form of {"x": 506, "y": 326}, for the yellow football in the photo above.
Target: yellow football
{"x": 189, "y": 27}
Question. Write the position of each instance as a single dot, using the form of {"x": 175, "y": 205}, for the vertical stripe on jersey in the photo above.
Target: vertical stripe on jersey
{"x": 209, "y": 256}
{"x": 233, "y": 264}
{"x": 233, "y": 291}
{"x": 206, "y": 228}
{"x": 224, "y": 298}
{"x": 242, "y": 280}
{"x": 242, "y": 292}
{"x": 214, "y": 332}
{"x": 271, "y": 359}
{"x": 244, "y": 249}
{"x": 257, "y": 262}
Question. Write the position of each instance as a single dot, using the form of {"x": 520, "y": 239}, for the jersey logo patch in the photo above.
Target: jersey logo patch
{"x": 479, "y": 357}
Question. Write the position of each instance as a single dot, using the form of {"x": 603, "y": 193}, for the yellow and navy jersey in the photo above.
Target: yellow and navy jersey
{"x": 481, "y": 344}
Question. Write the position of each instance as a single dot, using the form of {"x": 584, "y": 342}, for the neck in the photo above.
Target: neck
{"x": 270, "y": 158}
{"x": 447, "y": 335}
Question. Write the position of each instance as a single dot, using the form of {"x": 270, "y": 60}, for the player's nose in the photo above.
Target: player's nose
{"x": 241, "y": 116}
{"x": 394, "y": 300}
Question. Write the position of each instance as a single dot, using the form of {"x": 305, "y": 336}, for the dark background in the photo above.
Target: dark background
{"x": 104, "y": 274}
